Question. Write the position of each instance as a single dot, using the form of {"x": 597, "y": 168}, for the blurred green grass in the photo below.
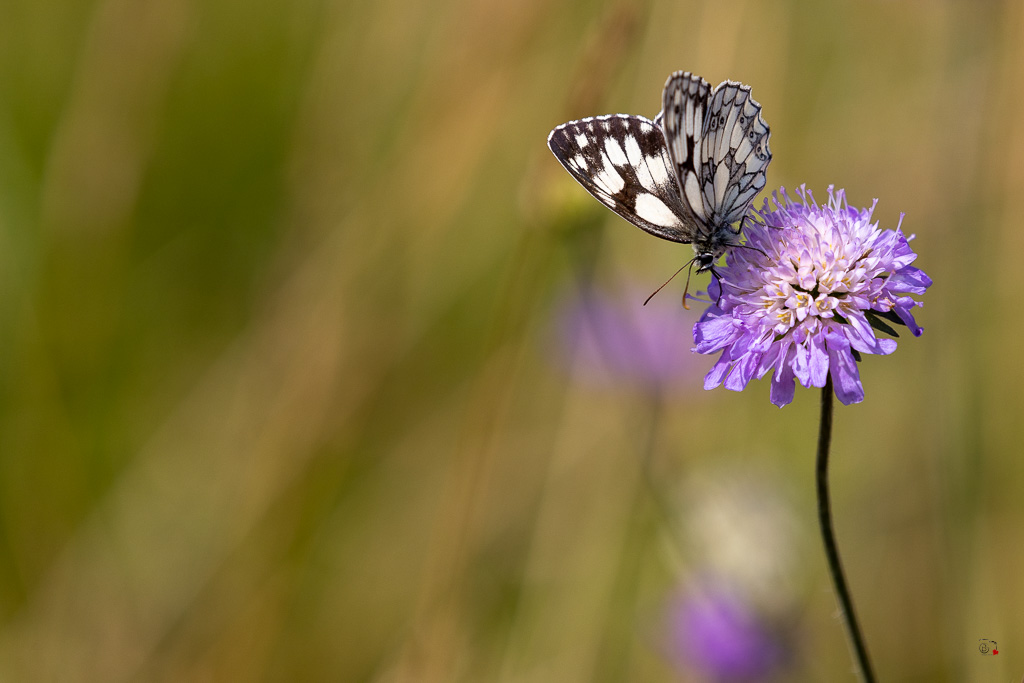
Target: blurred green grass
{"x": 278, "y": 399}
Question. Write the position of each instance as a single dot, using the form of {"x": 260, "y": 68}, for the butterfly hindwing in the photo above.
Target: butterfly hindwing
{"x": 734, "y": 153}
{"x": 623, "y": 161}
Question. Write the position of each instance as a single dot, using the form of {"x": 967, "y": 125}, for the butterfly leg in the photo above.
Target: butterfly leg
{"x": 748, "y": 246}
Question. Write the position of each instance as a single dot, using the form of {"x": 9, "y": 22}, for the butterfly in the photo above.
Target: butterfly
{"x": 686, "y": 176}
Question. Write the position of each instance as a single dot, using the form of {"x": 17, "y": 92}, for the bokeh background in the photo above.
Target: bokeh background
{"x": 316, "y": 366}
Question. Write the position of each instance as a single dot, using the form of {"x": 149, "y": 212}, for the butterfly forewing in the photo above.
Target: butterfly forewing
{"x": 623, "y": 161}
{"x": 684, "y": 104}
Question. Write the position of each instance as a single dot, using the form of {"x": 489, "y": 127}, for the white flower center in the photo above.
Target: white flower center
{"x": 820, "y": 278}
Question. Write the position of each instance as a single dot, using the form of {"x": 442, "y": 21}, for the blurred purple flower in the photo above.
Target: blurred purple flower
{"x": 618, "y": 339}
{"x": 805, "y": 295}
{"x": 719, "y": 635}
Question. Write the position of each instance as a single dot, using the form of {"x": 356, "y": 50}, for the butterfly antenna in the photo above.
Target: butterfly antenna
{"x": 688, "y": 263}
{"x": 746, "y": 217}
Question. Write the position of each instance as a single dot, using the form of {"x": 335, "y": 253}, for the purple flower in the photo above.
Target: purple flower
{"x": 720, "y": 635}
{"x": 615, "y": 339}
{"x": 806, "y": 295}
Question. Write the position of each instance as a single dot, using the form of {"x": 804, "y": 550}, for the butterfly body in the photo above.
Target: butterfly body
{"x": 687, "y": 176}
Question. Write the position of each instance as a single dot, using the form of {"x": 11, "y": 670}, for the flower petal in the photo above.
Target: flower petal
{"x": 862, "y": 337}
{"x": 783, "y": 387}
{"x": 712, "y": 333}
{"x": 718, "y": 371}
{"x": 817, "y": 361}
{"x": 742, "y": 371}
{"x": 909, "y": 280}
{"x": 843, "y": 369}
{"x": 902, "y": 254}
{"x": 902, "y": 309}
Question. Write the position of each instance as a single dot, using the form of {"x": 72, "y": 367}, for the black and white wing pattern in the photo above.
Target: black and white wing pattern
{"x": 688, "y": 175}
{"x": 683, "y": 105}
{"x": 719, "y": 144}
{"x": 622, "y": 160}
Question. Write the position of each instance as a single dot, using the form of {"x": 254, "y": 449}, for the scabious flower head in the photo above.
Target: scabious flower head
{"x": 806, "y": 295}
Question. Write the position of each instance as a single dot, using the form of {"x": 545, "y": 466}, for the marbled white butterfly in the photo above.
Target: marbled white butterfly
{"x": 688, "y": 175}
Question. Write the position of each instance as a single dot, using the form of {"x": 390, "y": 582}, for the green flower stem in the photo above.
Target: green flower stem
{"x": 828, "y": 536}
